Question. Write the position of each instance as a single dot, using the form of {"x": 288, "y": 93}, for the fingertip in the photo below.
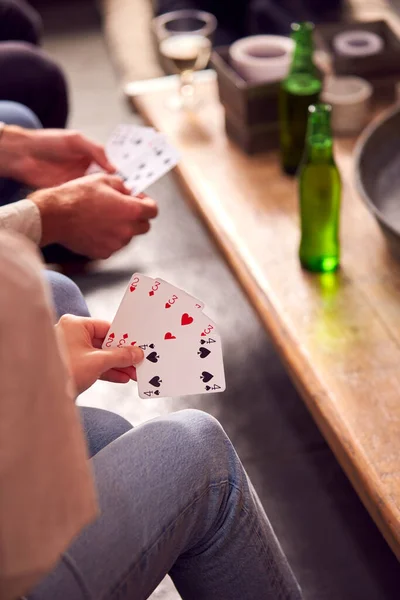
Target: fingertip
{"x": 137, "y": 355}
{"x": 127, "y": 191}
{"x": 110, "y": 168}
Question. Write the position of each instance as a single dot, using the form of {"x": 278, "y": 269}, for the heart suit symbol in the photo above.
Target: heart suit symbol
{"x": 186, "y": 319}
{"x": 169, "y": 336}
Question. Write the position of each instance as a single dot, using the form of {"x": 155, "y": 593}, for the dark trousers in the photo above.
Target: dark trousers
{"x": 28, "y": 75}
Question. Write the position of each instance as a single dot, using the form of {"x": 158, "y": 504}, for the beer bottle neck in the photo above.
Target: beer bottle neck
{"x": 320, "y": 151}
{"x": 319, "y": 135}
{"x": 303, "y": 61}
{"x": 304, "y": 46}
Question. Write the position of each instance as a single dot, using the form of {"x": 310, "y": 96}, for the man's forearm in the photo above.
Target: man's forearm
{"x": 13, "y": 146}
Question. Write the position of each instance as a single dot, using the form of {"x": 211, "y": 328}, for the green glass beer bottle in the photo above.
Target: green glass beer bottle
{"x": 320, "y": 193}
{"x": 301, "y": 88}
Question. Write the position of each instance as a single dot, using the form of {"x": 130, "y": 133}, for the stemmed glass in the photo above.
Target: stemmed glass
{"x": 185, "y": 42}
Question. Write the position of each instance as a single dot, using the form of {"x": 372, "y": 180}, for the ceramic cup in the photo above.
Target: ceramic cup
{"x": 350, "y": 99}
{"x": 262, "y": 58}
{"x": 358, "y": 43}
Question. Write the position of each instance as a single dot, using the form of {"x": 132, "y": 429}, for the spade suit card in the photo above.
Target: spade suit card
{"x": 181, "y": 367}
{"x": 182, "y": 346}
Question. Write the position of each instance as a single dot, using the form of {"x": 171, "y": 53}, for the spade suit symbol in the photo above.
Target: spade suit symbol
{"x": 208, "y": 388}
{"x": 204, "y": 352}
{"x": 206, "y": 377}
{"x": 155, "y": 381}
{"x": 153, "y": 357}
{"x": 157, "y": 392}
{"x": 151, "y": 346}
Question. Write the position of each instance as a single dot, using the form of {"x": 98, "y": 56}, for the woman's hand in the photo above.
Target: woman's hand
{"x": 87, "y": 362}
{"x": 48, "y": 157}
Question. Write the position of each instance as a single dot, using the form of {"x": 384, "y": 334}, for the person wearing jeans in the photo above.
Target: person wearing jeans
{"x": 173, "y": 496}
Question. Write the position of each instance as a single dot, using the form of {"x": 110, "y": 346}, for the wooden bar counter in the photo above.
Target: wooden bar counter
{"x": 338, "y": 334}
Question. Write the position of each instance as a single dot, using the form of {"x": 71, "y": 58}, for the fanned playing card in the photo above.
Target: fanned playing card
{"x": 181, "y": 367}
{"x": 141, "y": 155}
{"x": 183, "y": 350}
{"x": 151, "y": 307}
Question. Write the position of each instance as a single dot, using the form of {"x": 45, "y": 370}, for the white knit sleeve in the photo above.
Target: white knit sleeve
{"x": 22, "y": 217}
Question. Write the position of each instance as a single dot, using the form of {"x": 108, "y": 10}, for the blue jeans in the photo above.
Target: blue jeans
{"x": 175, "y": 499}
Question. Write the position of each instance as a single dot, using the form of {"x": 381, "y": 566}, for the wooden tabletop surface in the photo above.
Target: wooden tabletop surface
{"x": 338, "y": 334}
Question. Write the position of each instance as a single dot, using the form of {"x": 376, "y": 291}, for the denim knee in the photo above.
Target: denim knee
{"x": 67, "y": 297}
{"x": 14, "y": 113}
{"x": 201, "y": 425}
{"x": 205, "y": 440}
{"x": 101, "y": 427}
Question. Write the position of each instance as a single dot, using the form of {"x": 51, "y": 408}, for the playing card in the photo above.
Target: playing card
{"x": 143, "y": 171}
{"x": 180, "y": 367}
{"x": 151, "y": 307}
{"x": 198, "y": 303}
{"x": 138, "y": 144}
{"x": 140, "y": 154}
{"x": 128, "y": 142}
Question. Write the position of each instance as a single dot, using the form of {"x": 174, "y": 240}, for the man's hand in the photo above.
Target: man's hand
{"x": 83, "y": 338}
{"x": 94, "y": 215}
{"x": 48, "y": 157}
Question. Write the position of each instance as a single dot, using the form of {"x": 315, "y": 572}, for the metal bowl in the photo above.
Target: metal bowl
{"x": 378, "y": 174}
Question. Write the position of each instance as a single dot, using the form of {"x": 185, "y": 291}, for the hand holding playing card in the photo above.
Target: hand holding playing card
{"x": 83, "y": 338}
{"x": 142, "y": 156}
{"x": 94, "y": 215}
{"x": 50, "y": 157}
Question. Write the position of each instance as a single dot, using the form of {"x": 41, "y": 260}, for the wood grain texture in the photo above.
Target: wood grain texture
{"x": 339, "y": 334}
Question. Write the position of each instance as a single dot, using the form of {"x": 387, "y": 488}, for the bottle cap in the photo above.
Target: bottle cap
{"x": 302, "y": 26}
